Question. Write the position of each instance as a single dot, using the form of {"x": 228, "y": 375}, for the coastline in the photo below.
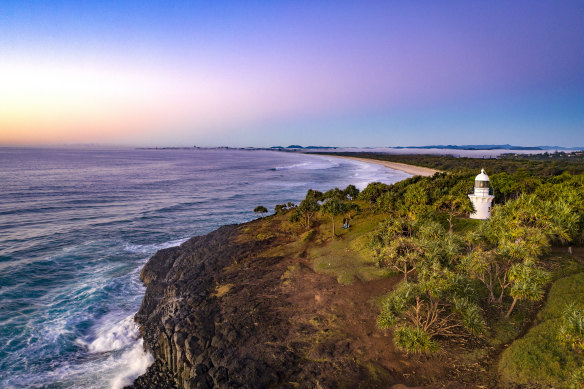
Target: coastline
{"x": 404, "y": 167}
{"x": 189, "y": 348}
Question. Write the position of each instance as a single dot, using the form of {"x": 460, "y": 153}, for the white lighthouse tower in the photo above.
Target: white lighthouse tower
{"x": 481, "y": 198}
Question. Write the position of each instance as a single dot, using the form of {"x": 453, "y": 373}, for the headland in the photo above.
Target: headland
{"x": 286, "y": 301}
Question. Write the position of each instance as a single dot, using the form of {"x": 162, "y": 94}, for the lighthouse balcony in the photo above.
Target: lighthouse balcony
{"x": 481, "y": 191}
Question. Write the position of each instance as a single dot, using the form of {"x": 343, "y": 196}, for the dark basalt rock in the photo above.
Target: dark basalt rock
{"x": 200, "y": 340}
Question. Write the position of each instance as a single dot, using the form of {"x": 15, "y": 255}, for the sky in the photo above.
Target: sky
{"x": 266, "y": 73}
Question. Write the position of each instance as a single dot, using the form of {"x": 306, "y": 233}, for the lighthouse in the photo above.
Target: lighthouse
{"x": 482, "y": 197}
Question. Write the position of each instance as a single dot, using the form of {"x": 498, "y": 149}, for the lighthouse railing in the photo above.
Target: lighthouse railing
{"x": 471, "y": 190}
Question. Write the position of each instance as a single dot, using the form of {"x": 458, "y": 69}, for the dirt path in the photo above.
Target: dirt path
{"x": 342, "y": 322}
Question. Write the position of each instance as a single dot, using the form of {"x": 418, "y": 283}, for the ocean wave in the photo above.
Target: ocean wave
{"x": 133, "y": 363}
{"x": 367, "y": 173}
{"x": 152, "y": 248}
{"x": 122, "y": 335}
{"x": 113, "y": 337}
{"x": 320, "y": 164}
{"x": 111, "y": 369}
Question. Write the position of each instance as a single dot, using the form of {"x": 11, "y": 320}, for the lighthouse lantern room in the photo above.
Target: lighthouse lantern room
{"x": 482, "y": 197}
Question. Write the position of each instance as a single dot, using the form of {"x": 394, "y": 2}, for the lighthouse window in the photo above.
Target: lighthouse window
{"x": 481, "y": 184}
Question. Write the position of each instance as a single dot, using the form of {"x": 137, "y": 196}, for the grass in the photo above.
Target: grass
{"x": 563, "y": 292}
{"x": 538, "y": 358}
{"x": 505, "y": 330}
{"x": 347, "y": 257}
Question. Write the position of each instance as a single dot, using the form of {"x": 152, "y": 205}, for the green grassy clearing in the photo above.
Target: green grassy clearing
{"x": 346, "y": 257}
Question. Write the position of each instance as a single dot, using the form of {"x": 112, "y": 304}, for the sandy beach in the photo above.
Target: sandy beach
{"x": 404, "y": 167}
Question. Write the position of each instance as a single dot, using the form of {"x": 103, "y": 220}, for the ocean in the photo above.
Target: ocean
{"x": 77, "y": 225}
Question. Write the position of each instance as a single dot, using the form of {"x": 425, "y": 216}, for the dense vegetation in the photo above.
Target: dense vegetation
{"x": 536, "y": 165}
{"x": 474, "y": 281}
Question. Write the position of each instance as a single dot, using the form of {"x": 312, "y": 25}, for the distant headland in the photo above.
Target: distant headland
{"x": 389, "y": 149}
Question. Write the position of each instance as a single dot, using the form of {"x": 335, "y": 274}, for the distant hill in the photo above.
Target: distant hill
{"x": 441, "y": 147}
{"x": 489, "y": 147}
{"x": 302, "y": 147}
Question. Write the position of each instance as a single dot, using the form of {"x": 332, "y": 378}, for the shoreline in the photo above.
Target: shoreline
{"x": 403, "y": 167}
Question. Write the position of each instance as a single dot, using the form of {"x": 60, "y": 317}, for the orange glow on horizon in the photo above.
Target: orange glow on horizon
{"x": 53, "y": 103}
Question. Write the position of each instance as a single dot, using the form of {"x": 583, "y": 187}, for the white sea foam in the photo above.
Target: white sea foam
{"x": 313, "y": 164}
{"x": 132, "y": 364}
{"x": 128, "y": 360}
{"x": 289, "y": 167}
{"x": 110, "y": 338}
{"x": 152, "y": 248}
{"x": 56, "y": 328}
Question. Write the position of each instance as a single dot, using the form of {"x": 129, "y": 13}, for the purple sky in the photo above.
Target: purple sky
{"x": 264, "y": 73}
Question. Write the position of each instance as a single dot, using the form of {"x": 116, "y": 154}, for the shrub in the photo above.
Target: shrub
{"x": 281, "y": 208}
{"x": 295, "y": 217}
{"x": 394, "y": 304}
{"x": 571, "y": 332}
{"x": 472, "y": 319}
{"x": 414, "y": 340}
{"x": 260, "y": 209}
{"x": 577, "y": 379}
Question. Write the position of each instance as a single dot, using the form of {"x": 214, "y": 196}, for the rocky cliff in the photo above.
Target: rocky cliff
{"x": 214, "y": 316}
{"x": 197, "y": 341}
{"x": 242, "y": 307}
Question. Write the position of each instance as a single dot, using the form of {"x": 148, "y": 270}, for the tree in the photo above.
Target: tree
{"x": 280, "y": 208}
{"x": 351, "y": 210}
{"x": 296, "y": 216}
{"x": 403, "y": 253}
{"x": 283, "y": 208}
{"x": 455, "y": 206}
{"x": 395, "y": 246}
{"x": 351, "y": 192}
{"x": 415, "y": 201}
{"x": 504, "y": 186}
{"x": 440, "y": 251}
{"x": 335, "y": 193}
{"x": 517, "y": 233}
{"x": 527, "y": 283}
{"x": 437, "y": 305}
{"x": 482, "y": 264}
{"x": 373, "y": 191}
{"x": 334, "y": 207}
{"x": 308, "y": 208}
{"x": 260, "y": 209}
